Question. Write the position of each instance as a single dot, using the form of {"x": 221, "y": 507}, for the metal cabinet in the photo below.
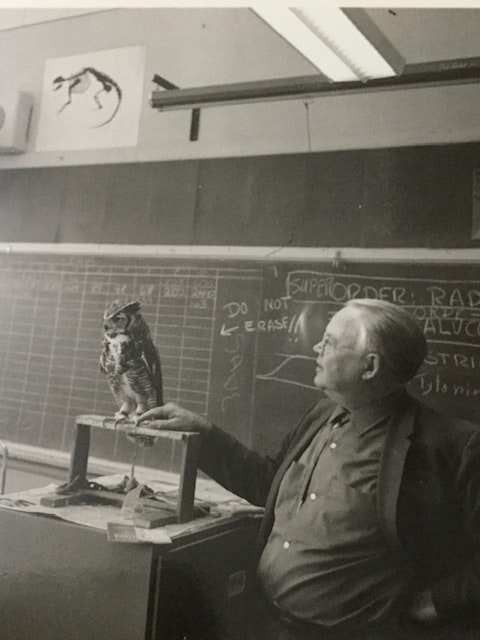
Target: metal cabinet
{"x": 62, "y": 581}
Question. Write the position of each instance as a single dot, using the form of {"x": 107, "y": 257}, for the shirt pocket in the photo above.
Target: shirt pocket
{"x": 343, "y": 515}
{"x": 288, "y": 495}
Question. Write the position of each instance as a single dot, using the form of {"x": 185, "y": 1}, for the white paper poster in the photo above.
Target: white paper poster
{"x": 92, "y": 100}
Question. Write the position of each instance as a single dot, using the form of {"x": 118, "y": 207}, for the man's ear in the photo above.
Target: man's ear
{"x": 372, "y": 366}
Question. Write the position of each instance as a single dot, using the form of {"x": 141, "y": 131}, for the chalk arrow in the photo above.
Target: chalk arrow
{"x": 227, "y": 332}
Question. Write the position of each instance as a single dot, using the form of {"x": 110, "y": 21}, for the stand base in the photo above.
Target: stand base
{"x": 84, "y": 496}
{"x": 152, "y": 516}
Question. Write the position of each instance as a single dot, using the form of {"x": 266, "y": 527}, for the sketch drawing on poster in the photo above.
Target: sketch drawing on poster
{"x": 92, "y": 100}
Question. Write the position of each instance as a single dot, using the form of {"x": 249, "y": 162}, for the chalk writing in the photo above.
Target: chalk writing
{"x": 451, "y": 327}
{"x": 458, "y": 360}
{"x": 435, "y": 384}
{"x": 311, "y": 286}
{"x": 271, "y": 324}
{"x": 232, "y": 346}
{"x": 231, "y": 383}
{"x": 233, "y": 309}
{"x": 275, "y": 304}
{"x": 454, "y": 298}
{"x": 448, "y": 311}
{"x": 175, "y": 289}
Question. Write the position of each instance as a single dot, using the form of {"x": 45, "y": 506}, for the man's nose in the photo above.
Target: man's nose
{"x": 318, "y": 348}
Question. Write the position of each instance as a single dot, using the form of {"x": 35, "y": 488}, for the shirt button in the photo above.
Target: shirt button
{"x": 333, "y": 445}
{"x": 313, "y": 496}
{"x": 286, "y": 544}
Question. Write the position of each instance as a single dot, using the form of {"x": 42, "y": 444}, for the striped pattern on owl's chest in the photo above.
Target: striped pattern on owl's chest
{"x": 119, "y": 364}
{"x": 118, "y": 347}
{"x": 128, "y": 372}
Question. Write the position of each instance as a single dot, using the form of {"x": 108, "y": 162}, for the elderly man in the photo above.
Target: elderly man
{"x": 372, "y": 505}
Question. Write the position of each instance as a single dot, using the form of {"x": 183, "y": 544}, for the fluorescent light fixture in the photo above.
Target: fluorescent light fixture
{"x": 342, "y": 36}
{"x": 329, "y": 40}
{"x": 300, "y": 36}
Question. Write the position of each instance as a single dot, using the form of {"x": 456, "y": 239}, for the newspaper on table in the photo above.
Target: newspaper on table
{"x": 218, "y": 502}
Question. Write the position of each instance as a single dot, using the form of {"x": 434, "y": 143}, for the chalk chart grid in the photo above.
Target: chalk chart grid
{"x": 51, "y": 332}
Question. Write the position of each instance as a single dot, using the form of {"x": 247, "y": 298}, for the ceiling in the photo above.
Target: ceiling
{"x": 418, "y": 34}
{"x": 11, "y": 18}
{"x": 428, "y": 35}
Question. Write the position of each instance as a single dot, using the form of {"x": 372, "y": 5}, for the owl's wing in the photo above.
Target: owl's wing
{"x": 151, "y": 359}
{"x": 103, "y": 356}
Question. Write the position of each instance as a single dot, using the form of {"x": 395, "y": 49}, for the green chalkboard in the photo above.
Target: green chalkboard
{"x": 51, "y": 331}
{"x": 444, "y": 297}
{"x": 235, "y": 339}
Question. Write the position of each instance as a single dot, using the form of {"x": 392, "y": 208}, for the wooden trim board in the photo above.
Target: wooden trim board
{"x": 274, "y": 254}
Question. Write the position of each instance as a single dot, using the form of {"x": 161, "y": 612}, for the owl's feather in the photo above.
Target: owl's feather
{"x": 130, "y": 360}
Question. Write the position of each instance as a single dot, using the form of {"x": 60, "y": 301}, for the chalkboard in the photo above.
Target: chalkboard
{"x": 445, "y": 298}
{"x": 235, "y": 339}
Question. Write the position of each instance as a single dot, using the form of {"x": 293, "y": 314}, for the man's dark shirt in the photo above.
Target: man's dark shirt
{"x": 428, "y": 498}
{"x": 326, "y": 560}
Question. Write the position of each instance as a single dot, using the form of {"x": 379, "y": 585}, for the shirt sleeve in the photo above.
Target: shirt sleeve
{"x": 460, "y": 592}
{"x": 240, "y": 469}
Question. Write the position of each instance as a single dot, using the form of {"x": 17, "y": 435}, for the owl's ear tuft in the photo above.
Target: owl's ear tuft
{"x": 132, "y": 307}
{"x": 121, "y": 305}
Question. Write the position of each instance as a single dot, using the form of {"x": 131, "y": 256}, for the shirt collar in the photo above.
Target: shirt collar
{"x": 373, "y": 413}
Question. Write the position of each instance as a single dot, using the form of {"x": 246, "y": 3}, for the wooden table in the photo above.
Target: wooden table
{"x": 64, "y": 581}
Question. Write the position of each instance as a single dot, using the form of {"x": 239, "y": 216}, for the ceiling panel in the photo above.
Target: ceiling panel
{"x": 14, "y": 18}
{"x": 427, "y": 35}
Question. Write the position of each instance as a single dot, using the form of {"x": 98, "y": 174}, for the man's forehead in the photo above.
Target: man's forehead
{"x": 345, "y": 324}
{"x": 348, "y": 314}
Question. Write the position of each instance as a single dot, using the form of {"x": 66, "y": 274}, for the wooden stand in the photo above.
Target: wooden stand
{"x": 153, "y": 514}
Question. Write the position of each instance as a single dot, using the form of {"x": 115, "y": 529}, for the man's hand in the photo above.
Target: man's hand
{"x": 171, "y": 416}
{"x": 422, "y": 608}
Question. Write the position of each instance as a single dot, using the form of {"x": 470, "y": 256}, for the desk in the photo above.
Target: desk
{"x": 63, "y": 581}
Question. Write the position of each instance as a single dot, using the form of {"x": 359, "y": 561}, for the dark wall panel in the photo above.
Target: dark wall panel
{"x": 32, "y": 204}
{"x": 451, "y": 194}
{"x": 85, "y": 200}
{"x": 415, "y": 196}
{"x": 151, "y": 203}
{"x": 419, "y": 196}
{"x": 250, "y": 201}
{"x": 332, "y": 213}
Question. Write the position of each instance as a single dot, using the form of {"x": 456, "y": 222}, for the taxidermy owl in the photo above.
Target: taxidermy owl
{"x": 130, "y": 361}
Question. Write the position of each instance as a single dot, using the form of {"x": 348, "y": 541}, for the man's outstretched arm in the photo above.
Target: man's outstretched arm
{"x": 222, "y": 457}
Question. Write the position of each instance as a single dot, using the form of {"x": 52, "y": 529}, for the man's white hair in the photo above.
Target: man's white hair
{"x": 393, "y": 333}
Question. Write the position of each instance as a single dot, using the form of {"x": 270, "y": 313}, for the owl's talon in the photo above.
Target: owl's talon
{"x": 119, "y": 417}
{"x": 140, "y": 440}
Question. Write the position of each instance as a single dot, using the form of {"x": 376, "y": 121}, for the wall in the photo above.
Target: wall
{"x": 22, "y": 476}
{"x": 400, "y": 197}
{"x": 195, "y": 47}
